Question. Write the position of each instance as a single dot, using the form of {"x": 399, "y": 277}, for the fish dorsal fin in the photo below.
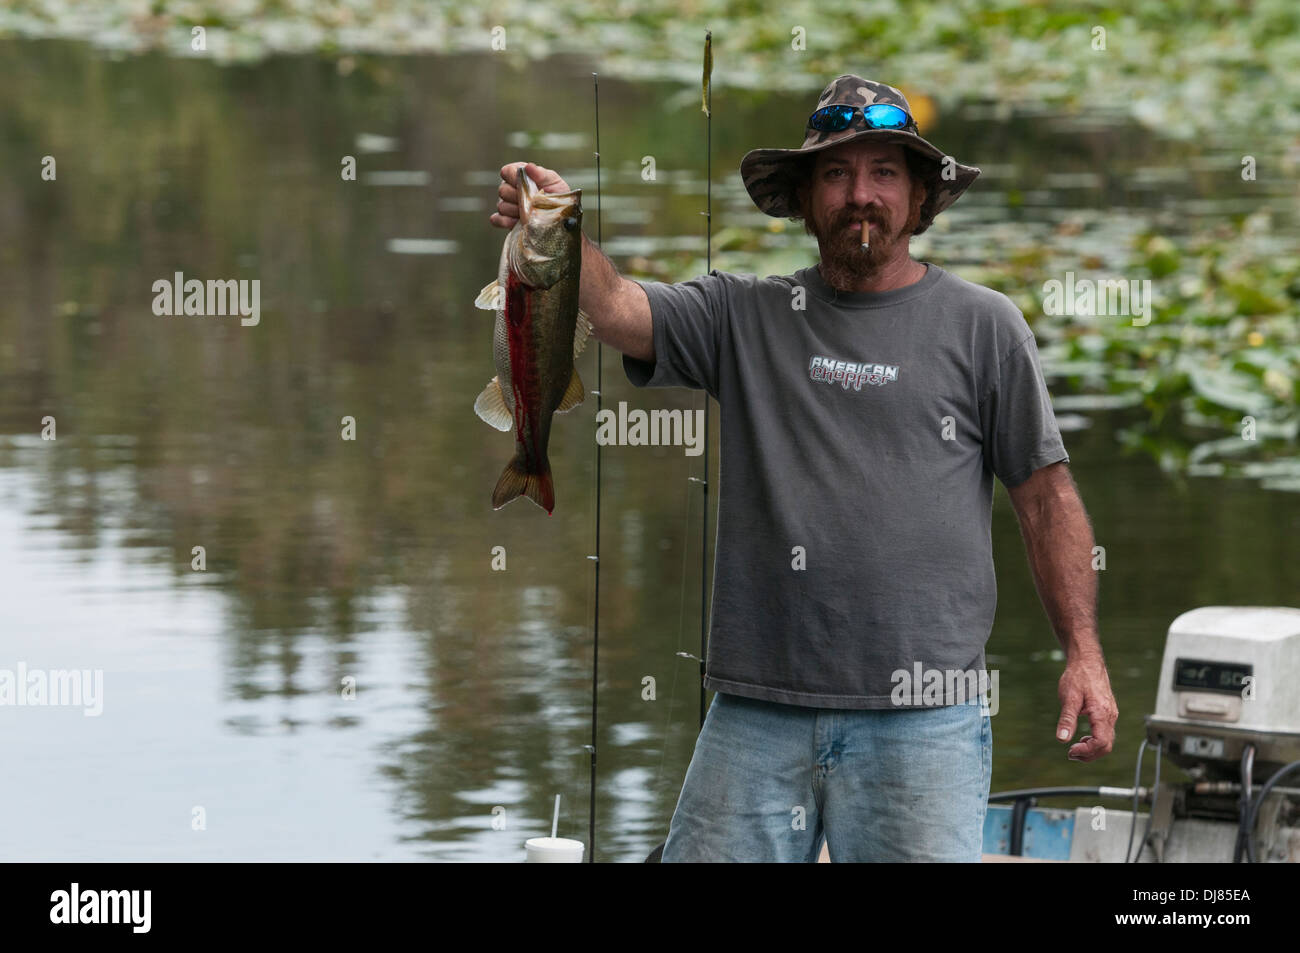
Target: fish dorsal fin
{"x": 491, "y": 298}
{"x": 574, "y": 394}
{"x": 581, "y": 331}
{"x": 491, "y": 406}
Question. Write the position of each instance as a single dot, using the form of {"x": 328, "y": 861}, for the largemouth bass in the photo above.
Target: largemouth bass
{"x": 538, "y": 333}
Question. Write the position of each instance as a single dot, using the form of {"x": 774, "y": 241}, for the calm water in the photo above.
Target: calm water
{"x": 369, "y": 562}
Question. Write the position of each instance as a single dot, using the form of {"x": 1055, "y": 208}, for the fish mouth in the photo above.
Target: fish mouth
{"x": 533, "y": 200}
{"x": 558, "y": 200}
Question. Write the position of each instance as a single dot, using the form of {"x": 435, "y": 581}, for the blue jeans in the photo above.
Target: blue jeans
{"x": 769, "y": 782}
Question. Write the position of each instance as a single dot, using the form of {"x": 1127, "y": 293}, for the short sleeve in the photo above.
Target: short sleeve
{"x": 687, "y": 318}
{"x": 1017, "y": 420}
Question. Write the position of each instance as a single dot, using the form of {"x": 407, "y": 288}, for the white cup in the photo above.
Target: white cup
{"x": 553, "y": 850}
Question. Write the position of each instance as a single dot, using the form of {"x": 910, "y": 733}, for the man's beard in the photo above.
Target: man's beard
{"x": 844, "y": 263}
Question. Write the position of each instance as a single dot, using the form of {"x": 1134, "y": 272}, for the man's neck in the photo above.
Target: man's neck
{"x": 896, "y": 274}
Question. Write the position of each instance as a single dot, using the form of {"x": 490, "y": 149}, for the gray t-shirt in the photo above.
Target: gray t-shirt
{"x": 860, "y": 436}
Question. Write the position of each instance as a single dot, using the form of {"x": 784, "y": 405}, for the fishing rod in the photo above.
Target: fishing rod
{"x": 706, "y": 101}
{"x": 595, "y": 626}
{"x": 708, "y": 267}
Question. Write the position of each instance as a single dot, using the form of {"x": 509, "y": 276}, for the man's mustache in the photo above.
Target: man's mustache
{"x": 875, "y": 218}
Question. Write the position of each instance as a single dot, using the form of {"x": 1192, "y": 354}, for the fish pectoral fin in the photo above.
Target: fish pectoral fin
{"x": 581, "y": 331}
{"x": 491, "y": 406}
{"x": 574, "y": 394}
{"x": 491, "y": 298}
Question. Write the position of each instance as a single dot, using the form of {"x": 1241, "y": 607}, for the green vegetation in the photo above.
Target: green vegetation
{"x": 1220, "y": 356}
{"x": 1187, "y": 66}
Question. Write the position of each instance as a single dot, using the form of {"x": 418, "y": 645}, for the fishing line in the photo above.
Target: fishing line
{"x": 708, "y": 267}
{"x": 681, "y": 618}
{"x": 595, "y": 626}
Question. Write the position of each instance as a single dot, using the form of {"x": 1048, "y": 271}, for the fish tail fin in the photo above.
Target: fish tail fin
{"x": 517, "y": 480}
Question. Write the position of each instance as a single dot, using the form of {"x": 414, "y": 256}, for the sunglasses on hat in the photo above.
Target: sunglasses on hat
{"x": 840, "y": 116}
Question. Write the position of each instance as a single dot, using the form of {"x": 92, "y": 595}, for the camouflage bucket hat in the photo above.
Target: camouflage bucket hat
{"x": 770, "y": 175}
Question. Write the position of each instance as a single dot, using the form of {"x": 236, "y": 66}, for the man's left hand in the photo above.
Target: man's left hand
{"x": 1085, "y": 688}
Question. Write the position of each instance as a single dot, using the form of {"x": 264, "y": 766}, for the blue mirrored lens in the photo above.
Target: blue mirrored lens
{"x": 885, "y": 115}
{"x": 833, "y": 118}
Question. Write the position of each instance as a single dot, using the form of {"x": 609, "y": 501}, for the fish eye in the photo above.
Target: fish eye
{"x": 570, "y": 223}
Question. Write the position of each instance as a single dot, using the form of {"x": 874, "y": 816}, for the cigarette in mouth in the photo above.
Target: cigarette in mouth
{"x": 865, "y": 241}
